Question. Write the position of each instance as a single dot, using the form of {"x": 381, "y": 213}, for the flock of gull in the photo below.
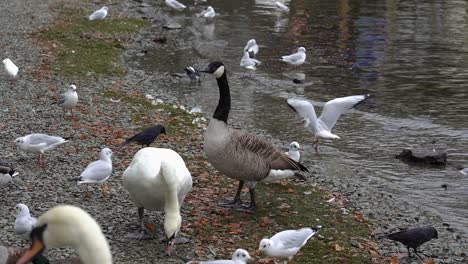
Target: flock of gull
{"x": 157, "y": 179}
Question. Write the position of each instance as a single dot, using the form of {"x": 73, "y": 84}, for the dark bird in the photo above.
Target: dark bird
{"x": 413, "y": 238}
{"x": 192, "y": 73}
{"x": 147, "y": 136}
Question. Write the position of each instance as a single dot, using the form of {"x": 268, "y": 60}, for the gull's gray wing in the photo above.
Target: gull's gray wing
{"x": 293, "y": 238}
{"x": 294, "y": 57}
{"x": 305, "y": 109}
{"x": 96, "y": 171}
{"x": 36, "y": 139}
{"x": 333, "y": 109}
{"x": 62, "y": 99}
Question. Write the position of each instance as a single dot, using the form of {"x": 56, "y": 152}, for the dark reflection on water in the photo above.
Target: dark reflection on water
{"x": 412, "y": 58}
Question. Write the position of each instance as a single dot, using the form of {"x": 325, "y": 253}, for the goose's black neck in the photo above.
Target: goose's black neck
{"x": 224, "y": 104}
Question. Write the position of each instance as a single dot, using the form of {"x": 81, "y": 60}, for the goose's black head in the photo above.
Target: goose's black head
{"x": 216, "y": 68}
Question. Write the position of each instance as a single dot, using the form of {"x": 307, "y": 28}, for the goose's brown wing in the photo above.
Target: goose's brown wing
{"x": 264, "y": 150}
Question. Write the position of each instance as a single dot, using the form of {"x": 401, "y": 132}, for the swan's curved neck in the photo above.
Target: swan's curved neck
{"x": 224, "y": 104}
{"x": 94, "y": 249}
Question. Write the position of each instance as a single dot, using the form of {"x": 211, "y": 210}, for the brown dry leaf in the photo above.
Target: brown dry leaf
{"x": 150, "y": 227}
{"x": 290, "y": 190}
{"x": 395, "y": 260}
{"x": 428, "y": 261}
{"x": 338, "y": 248}
{"x": 52, "y": 88}
{"x": 283, "y": 206}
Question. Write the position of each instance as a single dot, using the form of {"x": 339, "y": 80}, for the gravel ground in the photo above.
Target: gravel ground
{"x": 26, "y": 108}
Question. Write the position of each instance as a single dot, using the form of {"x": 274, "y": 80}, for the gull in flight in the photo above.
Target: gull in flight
{"x": 321, "y": 127}
{"x": 297, "y": 58}
{"x": 99, "y": 14}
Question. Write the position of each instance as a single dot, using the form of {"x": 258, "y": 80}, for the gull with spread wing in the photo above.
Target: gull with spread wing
{"x": 321, "y": 127}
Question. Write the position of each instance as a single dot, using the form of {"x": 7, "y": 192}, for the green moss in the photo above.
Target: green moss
{"x": 84, "y": 47}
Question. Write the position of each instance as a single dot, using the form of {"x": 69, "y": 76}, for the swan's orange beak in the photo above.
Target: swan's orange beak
{"x": 36, "y": 248}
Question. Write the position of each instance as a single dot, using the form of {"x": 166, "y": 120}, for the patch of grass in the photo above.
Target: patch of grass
{"x": 83, "y": 48}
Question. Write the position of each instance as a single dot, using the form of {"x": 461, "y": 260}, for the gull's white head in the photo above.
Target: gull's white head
{"x": 22, "y": 208}
{"x": 105, "y": 8}
{"x": 295, "y": 146}
{"x": 5, "y": 61}
{"x": 241, "y": 254}
{"x": 19, "y": 141}
{"x": 251, "y": 42}
{"x": 301, "y": 49}
{"x": 265, "y": 244}
{"x": 73, "y": 87}
{"x": 210, "y": 9}
{"x": 106, "y": 154}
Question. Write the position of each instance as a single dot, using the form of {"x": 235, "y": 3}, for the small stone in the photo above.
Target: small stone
{"x": 172, "y": 25}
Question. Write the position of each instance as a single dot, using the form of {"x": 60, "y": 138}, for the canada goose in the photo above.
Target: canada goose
{"x": 297, "y": 58}
{"x": 24, "y": 222}
{"x": 99, "y": 14}
{"x": 68, "y": 100}
{"x": 157, "y": 179}
{"x": 69, "y": 226}
{"x": 10, "y": 68}
{"x": 147, "y": 136}
{"x": 240, "y": 256}
{"x": 39, "y": 143}
{"x": 293, "y": 152}
{"x": 252, "y": 48}
{"x": 286, "y": 244}
{"x": 414, "y": 237}
{"x": 321, "y": 127}
{"x": 237, "y": 154}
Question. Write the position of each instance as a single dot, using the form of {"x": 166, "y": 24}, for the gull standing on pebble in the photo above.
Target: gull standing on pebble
{"x": 99, "y": 14}
{"x": 10, "y": 68}
{"x": 175, "y": 5}
{"x": 240, "y": 256}
{"x": 321, "y": 127}
{"x": 68, "y": 100}
{"x": 287, "y": 243}
{"x": 24, "y": 223}
{"x": 251, "y": 47}
{"x": 297, "y": 58}
{"x": 39, "y": 143}
{"x": 98, "y": 171}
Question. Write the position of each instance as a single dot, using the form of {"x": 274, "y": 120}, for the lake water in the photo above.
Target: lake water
{"x": 412, "y": 58}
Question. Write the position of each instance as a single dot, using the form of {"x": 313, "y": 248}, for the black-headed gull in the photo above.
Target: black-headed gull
{"x": 414, "y": 237}
{"x": 207, "y": 12}
{"x": 286, "y": 244}
{"x": 192, "y": 73}
{"x": 24, "y": 223}
{"x": 251, "y": 47}
{"x": 10, "y": 68}
{"x": 282, "y": 7}
{"x": 7, "y": 172}
{"x": 297, "y": 58}
{"x": 293, "y": 152}
{"x": 463, "y": 171}
{"x": 175, "y": 5}
{"x": 147, "y": 136}
{"x": 98, "y": 171}
{"x": 249, "y": 63}
{"x": 99, "y": 14}
{"x": 240, "y": 256}
{"x": 68, "y": 100}
{"x": 39, "y": 143}
{"x": 332, "y": 110}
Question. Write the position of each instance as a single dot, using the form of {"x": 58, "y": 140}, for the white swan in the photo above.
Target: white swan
{"x": 69, "y": 226}
{"x": 157, "y": 179}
